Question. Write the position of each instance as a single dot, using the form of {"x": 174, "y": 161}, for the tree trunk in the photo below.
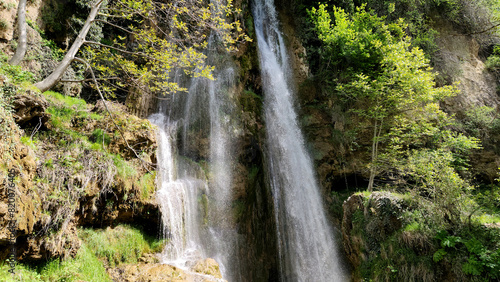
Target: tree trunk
{"x": 57, "y": 74}
{"x": 22, "y": 43}
{"x": 372, "y": 167}
{"x": 375, "y": 143}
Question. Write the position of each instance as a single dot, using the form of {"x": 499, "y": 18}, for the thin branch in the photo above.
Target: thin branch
{"x": 116, "y": 26}
{"x": 87, "y": 79}
{"x": 121, "y": 50}
{"x": 111, "y": 115}
{"x": 479, "y": 32}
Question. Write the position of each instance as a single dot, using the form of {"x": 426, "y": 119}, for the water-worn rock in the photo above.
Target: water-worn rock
{"x": 207, "y": 266}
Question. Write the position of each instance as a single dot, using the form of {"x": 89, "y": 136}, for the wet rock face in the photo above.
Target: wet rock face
{"x": 367, "y": 222}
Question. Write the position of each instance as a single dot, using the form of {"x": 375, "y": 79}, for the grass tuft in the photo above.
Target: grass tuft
{"x": 122, "y": 244}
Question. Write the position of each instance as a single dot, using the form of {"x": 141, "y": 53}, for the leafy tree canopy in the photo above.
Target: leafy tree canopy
{"x": 391, "y": 88}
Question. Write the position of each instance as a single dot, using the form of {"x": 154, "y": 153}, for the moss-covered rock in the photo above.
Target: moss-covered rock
{"x": 68, "y": 174}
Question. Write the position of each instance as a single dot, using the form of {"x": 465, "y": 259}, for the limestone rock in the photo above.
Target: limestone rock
{"x": 156, "y": 272}
{"x": 30, "y": 109}
{"x": 207, "y": 266}
{"x": 8, "y": 12}
{"x": 458, "y": 57}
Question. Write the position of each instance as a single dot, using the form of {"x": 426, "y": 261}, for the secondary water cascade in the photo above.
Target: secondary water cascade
{"x": 196, "y": 133}
{"x": 307, "y": 249}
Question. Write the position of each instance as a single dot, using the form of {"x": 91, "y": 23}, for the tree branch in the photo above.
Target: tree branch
{"x": 57, "y": 74}
{"x": 23, "y": 41}
{"x": 87, "y": 79}
{"x": 111, "y": 115}
{"x": 116, "y": 26}
{"x": 479, "y": 32}
{"x": 142, "y": 54}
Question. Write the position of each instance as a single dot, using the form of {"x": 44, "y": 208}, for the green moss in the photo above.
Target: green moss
{"x": 55, "y": 97}
{"x": 16, "y": 74}
{"x": 203, "y": 201}
{"x": 122, "y": 244}
{"x": 239, "y": 208}
{"x": 147, "y": 185}
{"x": 84, "y": 267}
{"x": 413, "y": 226}
{"x": 100, "y": 137}
{"x": 124, "y": 169}
{"x": 3, "y": 24}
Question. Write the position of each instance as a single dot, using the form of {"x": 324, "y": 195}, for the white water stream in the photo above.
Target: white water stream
{"x": 307, "y": 248}
{"x": 195, "y": 157}
{"x": 195, "y": 171}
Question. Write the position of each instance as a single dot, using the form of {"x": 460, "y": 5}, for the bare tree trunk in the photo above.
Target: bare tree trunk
{"x": 375, "y": 143}
{"x": 22, "y": 43}
{"x": 57, "y": 74}
{"x": 372, "y": 167}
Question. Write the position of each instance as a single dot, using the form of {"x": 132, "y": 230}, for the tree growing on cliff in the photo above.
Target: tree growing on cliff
{"x": 152, "y": 39}
{"x": 391, "y": 87}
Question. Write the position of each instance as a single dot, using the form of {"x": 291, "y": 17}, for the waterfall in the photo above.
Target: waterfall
{"x": 195, "y": 156}
{"x": 307, "y": 248}
{"x": 180, "y": 187}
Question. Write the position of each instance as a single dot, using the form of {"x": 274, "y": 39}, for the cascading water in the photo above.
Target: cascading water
{"x": 196, "y": 179}
{"x": 307, "y": 248}
{"x": 178, "y": 194}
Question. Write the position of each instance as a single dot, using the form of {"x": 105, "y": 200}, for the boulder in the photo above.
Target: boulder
{"x": 29, "y": 109}
{"x": 208, "y": 267}
{"x": 369, "y": 221}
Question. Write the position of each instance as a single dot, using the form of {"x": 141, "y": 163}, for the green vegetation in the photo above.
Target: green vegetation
{"x": 3, "y": 24}
{"x": 391, "y": 88}
{"x": 122, "y": 244}
{"x": 15, "y": 74}
{"x": 148, "y": 184}
{"x": 371, "y": 67}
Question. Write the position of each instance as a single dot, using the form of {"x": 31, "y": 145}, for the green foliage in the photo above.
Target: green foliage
{"x": 124, "y": 169}
{"x": 84, "y": 267}
{"x": 65, "y": 109}
{"x": 493, "y": 61}
{"x": 147, "y": 185}
{"x": 55, "y": 51}
{"x": 480, "y": 122}
{"x": 391, "y": 87}
{"x": 480, "y": 260}
{"x": 16, "y": 74}
{"x": 100, "y": 137}
{"x": 28, "y": 142}
{"x": 122, "y": 244}
{"x": 416, "y": 14}
{"x": 354, "y": 41}
{"x": 3, "y": 24}
{"x": 160, "y": 50}
{"x": 68, "y": 101}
